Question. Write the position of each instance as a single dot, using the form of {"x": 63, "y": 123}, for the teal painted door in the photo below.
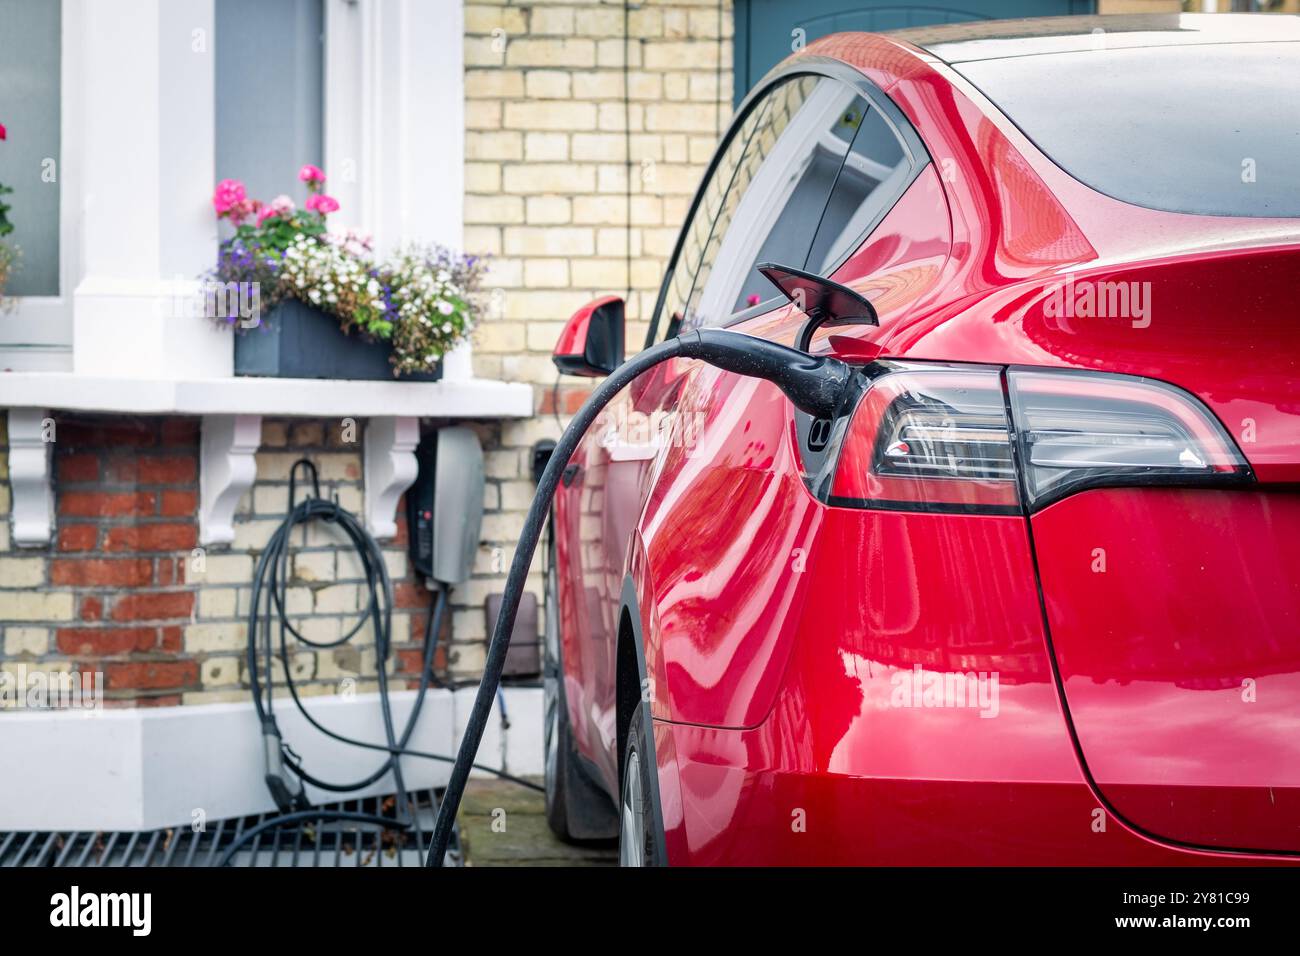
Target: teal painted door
{"x": 768, "y": 30}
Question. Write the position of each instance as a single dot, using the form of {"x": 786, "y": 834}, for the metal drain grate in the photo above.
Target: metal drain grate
{"x": 336, "y": 843}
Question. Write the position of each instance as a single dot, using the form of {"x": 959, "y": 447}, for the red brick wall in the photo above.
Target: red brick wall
{"x": 126, "y": 518}
{"x": 124, "y": 588}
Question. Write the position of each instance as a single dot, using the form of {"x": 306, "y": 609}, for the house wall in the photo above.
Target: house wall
{"x": 549, "y": 142}
{"x": 124, "y": 589}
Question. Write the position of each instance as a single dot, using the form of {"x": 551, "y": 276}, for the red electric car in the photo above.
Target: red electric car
{"x": 1036, "y": 597}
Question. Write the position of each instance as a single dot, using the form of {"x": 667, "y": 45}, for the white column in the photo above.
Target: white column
{"x": 429, "y": 93}
{"x": 395, "y": 127}
{"x": 395, "y": 109}
{"x": 147, "y": 159}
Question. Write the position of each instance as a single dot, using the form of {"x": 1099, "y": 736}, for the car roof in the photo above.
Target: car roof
{"x": 995, "y": 39}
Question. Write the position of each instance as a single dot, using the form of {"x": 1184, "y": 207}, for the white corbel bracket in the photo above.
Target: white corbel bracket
{"x": 390, "y": 468}
{"x": 31, "y": 436}
{"x": 227, "y": 467}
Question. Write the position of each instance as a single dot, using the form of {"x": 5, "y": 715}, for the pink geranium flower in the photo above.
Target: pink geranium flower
{"x": 323, "y": 204}
{"x": 228, "y": 194}
{"x": 243, "y": 209}
{"x": 280, "y": 206}
{"x": 311, "y": 174}
{"x": 3, "y": 133}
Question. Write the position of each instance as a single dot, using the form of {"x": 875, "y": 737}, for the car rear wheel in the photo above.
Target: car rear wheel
{"x": 636, "y": 838}
{"x": 576, "y": 809}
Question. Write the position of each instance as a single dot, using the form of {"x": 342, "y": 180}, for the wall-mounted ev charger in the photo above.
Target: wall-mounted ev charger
{"x": 444, "y": 507}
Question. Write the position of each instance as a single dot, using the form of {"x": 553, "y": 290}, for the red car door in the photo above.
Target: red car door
{"x": 812, "y": 169}
{"x": 605, "y": 487}
{"x": 596, "y": 515}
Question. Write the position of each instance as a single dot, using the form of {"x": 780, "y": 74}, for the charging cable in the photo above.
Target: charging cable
{"x": 820, "y": 386}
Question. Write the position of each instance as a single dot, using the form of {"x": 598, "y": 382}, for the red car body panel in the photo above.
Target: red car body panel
{"x": 1184, "y": 703}
{"x": 773, "y": 626}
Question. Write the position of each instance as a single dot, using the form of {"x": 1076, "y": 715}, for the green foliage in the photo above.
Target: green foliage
{"x": 277, "y": 233}
{"x": 6, "y": 226}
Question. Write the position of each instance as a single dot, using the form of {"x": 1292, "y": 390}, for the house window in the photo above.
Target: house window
{"x": 29, "y": 157}
{"x": 269, "y": 92}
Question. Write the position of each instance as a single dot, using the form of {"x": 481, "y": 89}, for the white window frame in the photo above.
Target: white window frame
{"x": 37, "y": 334}
{"x": 394, "y": 151}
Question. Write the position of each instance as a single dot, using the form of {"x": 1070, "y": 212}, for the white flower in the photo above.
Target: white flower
{"x": 446, "y": 308}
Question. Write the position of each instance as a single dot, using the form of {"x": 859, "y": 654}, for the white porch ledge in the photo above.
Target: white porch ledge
{"x": 141, "y": 769}
{"x": 317, "y": 398}
{"x": 232, "y": 410}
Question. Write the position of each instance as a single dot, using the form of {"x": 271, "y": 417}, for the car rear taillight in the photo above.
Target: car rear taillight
{"x": 929, "y": 440}
{"x": 1088, "y": 429}
{"x": 940, "y": 439}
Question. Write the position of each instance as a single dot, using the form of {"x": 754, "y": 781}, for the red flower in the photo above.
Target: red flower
{"x": 3, "y": 134}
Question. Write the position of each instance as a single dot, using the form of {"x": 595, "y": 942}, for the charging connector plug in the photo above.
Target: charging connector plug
{"x": 285, "y": 786}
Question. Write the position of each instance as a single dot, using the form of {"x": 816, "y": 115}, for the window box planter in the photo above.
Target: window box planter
{"x": 295, "y": 340}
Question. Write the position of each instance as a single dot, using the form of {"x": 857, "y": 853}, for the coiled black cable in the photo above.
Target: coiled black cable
{"x": 269, "y": 628}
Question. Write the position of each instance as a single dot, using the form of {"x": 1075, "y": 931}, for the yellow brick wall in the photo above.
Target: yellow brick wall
{"x": 547, "y": 157}
{"x": 1140, "y": 6}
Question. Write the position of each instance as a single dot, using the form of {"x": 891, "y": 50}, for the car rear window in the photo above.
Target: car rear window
{"x": 1211, "y": 130}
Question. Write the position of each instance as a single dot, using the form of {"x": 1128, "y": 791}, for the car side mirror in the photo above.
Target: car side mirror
{"x": 592, "y": 341}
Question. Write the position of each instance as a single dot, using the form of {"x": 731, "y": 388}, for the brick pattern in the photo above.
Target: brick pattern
{"x": 548, "y": 147}
{"x": 326, "y": 590}
{"x": 110, "y": 593}
{"x": 126, "y": 590}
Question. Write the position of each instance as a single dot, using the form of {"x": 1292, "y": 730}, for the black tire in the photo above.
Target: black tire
{"x": 577, "y": 809}
{"x": 638, "y": 843}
